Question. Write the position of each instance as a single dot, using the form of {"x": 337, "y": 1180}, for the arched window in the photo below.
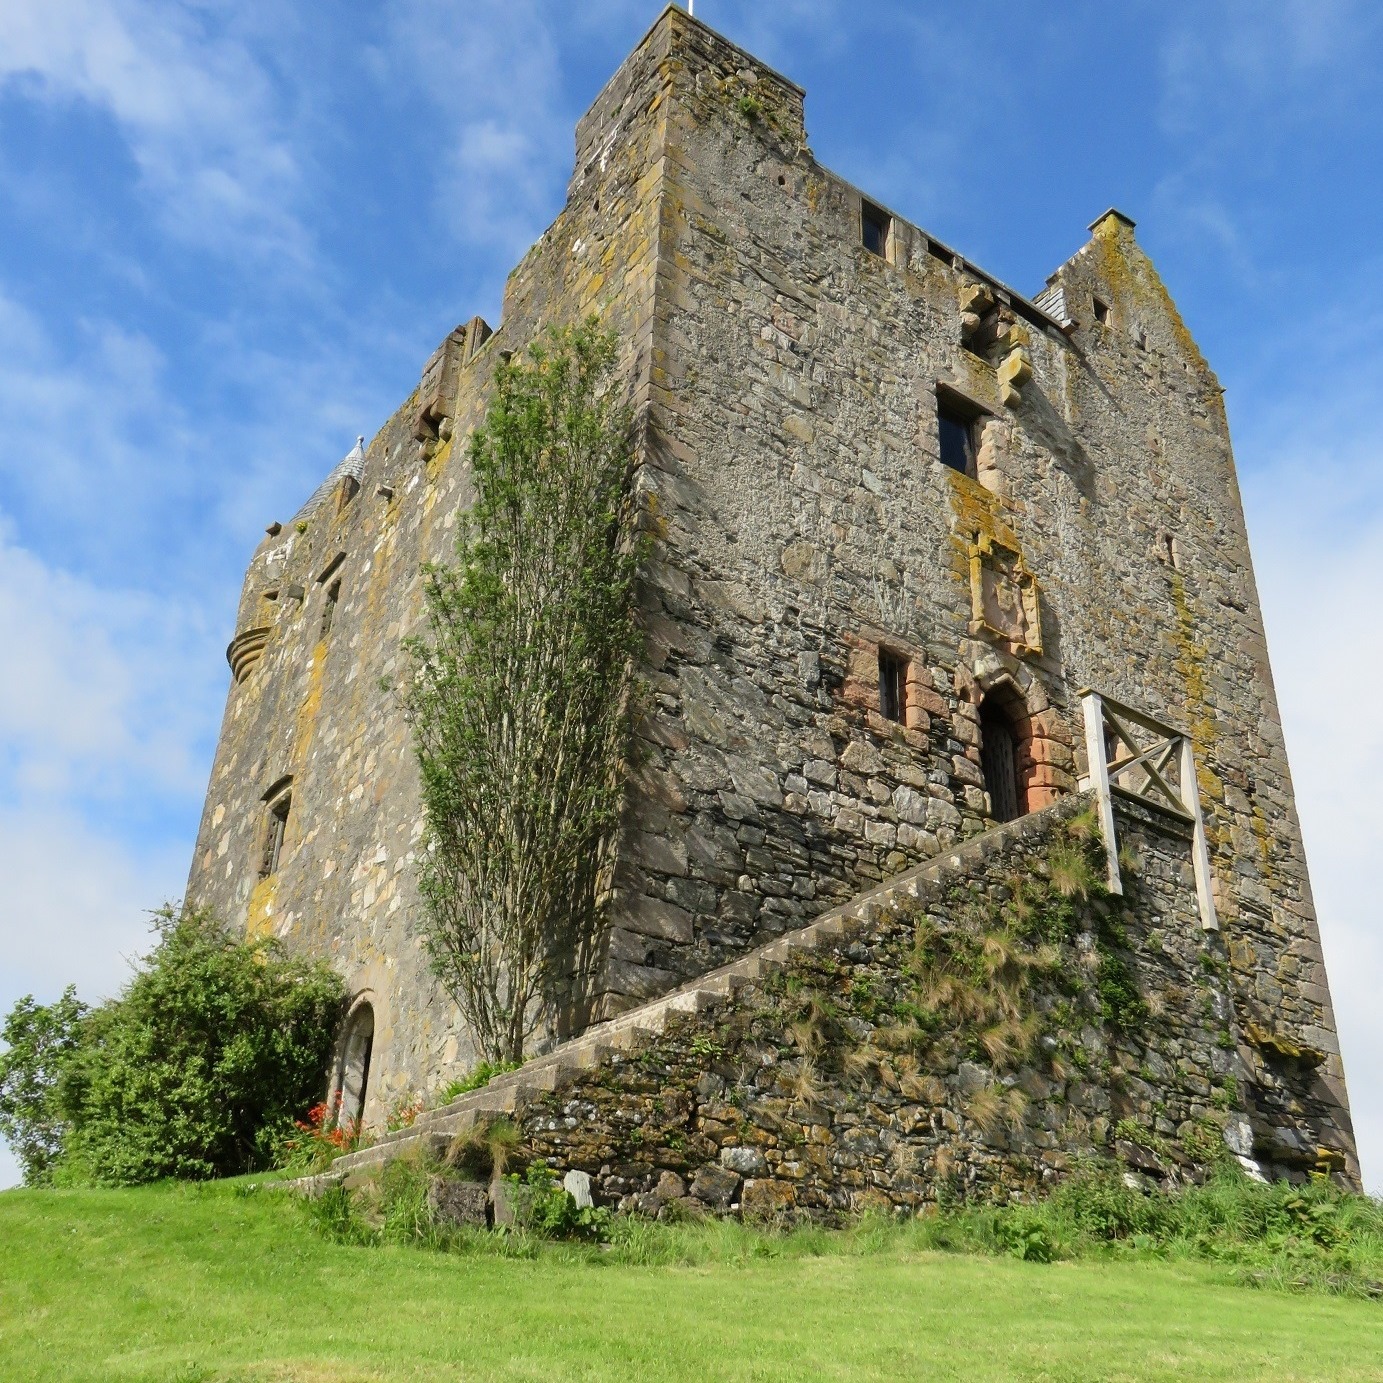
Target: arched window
{"x": 1005, "y": 777}
{"x": 353, "y": 1072}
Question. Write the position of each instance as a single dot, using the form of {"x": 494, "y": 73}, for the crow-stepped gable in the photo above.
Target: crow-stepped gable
{"x": 937, "y": 568}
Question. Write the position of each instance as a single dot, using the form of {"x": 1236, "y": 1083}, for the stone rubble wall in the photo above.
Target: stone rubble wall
{"x": 694, "y": 1097}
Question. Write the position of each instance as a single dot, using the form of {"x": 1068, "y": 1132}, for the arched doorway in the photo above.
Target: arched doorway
{"x": 1003, "y": 758}
{"x": 353, "y": 1070}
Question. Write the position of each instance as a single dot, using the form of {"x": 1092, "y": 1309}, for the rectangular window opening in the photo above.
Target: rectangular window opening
{"x": 958, "y": 427}
{"x": 275, "y": 826}
{"x": 893, "y": 686}
{"x": 1101, "y": 312}
{"x": 874, "y": 228}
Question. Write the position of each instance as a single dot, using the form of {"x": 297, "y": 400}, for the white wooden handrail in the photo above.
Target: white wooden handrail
{"x": 1156, "y": 755}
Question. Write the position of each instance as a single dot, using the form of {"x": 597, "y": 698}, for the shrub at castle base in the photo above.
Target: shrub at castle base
{"x": 196, "y": 1070}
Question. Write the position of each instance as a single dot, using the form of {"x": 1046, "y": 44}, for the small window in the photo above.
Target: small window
{"x": 350, "y": 487}
{"x": 958, "y": 429}
{"x": 893, "y": 686}
{"x": 329, "y": 608}
{"x": 277, "y": 806}
{"x": 1101, "y": 312}
{"x": 874, "y": 226}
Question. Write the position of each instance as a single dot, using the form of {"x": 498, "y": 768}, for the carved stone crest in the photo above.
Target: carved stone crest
{"x": 1003, "y": 597}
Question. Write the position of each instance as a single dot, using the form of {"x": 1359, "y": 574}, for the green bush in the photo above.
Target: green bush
{"x": 192, "y": 1072}
{"x": 39, "y": 1039}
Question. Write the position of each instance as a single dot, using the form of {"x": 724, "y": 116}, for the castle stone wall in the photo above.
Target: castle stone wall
{"x": 311, "y": 706}
{"x": 807, "y": 520}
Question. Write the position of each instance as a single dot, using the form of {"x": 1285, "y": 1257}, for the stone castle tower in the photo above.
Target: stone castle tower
{"x": 911, "y": 519}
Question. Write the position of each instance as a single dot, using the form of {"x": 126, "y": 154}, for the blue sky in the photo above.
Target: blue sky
{"x": 230, "y": 234}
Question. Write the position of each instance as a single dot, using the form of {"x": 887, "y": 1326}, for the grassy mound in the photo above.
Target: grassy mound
{"x": 225, "y": 1282}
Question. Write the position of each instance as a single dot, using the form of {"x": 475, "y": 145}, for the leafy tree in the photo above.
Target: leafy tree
{"x": 208, "y": 1052}
{"x": 519, "y": 690}
{"x": 39, "y": 1039}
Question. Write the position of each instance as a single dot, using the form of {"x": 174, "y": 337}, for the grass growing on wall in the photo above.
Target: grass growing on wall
{"x": 210, "y": 1283}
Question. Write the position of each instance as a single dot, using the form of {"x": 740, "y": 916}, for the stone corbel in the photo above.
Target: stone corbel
{"x": 1015, "y": 369}
{"x": 246, "y": 649}
{"x": 976, "y": 303}
{"x": 432, "y": 423}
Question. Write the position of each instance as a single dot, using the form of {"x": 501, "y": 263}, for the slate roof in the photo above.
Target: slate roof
{"x": 352, "y": 464}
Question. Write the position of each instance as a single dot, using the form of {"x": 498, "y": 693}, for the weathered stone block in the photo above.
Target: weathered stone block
{"x": 714, "y": 1185}
{"x": 747, "y": 1162}
{"x": 458, "y": 1203}
{"x": 767, "y": 1199}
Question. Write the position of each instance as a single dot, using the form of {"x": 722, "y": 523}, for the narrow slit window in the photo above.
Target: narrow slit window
{"x": 874, "y": 227}
{"x": 957, "y": 435}
{"x": 893, "y": 686}
{"x": 275, "y": 827}
{"x": 333, "y": 596}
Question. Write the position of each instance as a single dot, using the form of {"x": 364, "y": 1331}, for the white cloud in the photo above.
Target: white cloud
{"x": 106, "y": 707}
{"x": 1234, "y": 60}
{"x": 109, "y": 691}
{"x": 197, "y": 109}
{"x": 1312, "y": 469}
{"x": 76, "y": 904}
{"x": 1317, "y": 535}
{"x": 490, "y": 71}
{"x": 162, "y": 479}
{"x": 493, "y": 71}
{"x": 75, "y": 911}
{"x": 67, "y": 409}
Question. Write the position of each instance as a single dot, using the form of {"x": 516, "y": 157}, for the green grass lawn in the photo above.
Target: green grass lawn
{"x": 187, "y": 1283}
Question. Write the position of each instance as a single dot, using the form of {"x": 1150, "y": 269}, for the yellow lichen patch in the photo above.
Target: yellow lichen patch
{"x": 259, "y": 919}
{"x": 438, "y": 460}
{"x": 977, "y": 511}
{"x": 312, "y": 703}
{"x": 1134, "y": 282}
{"x": 374, "y": 618}
{"x": 1280, "y": 1046}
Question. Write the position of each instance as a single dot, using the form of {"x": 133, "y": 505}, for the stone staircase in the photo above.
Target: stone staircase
{"x": 512, "y": 1093}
